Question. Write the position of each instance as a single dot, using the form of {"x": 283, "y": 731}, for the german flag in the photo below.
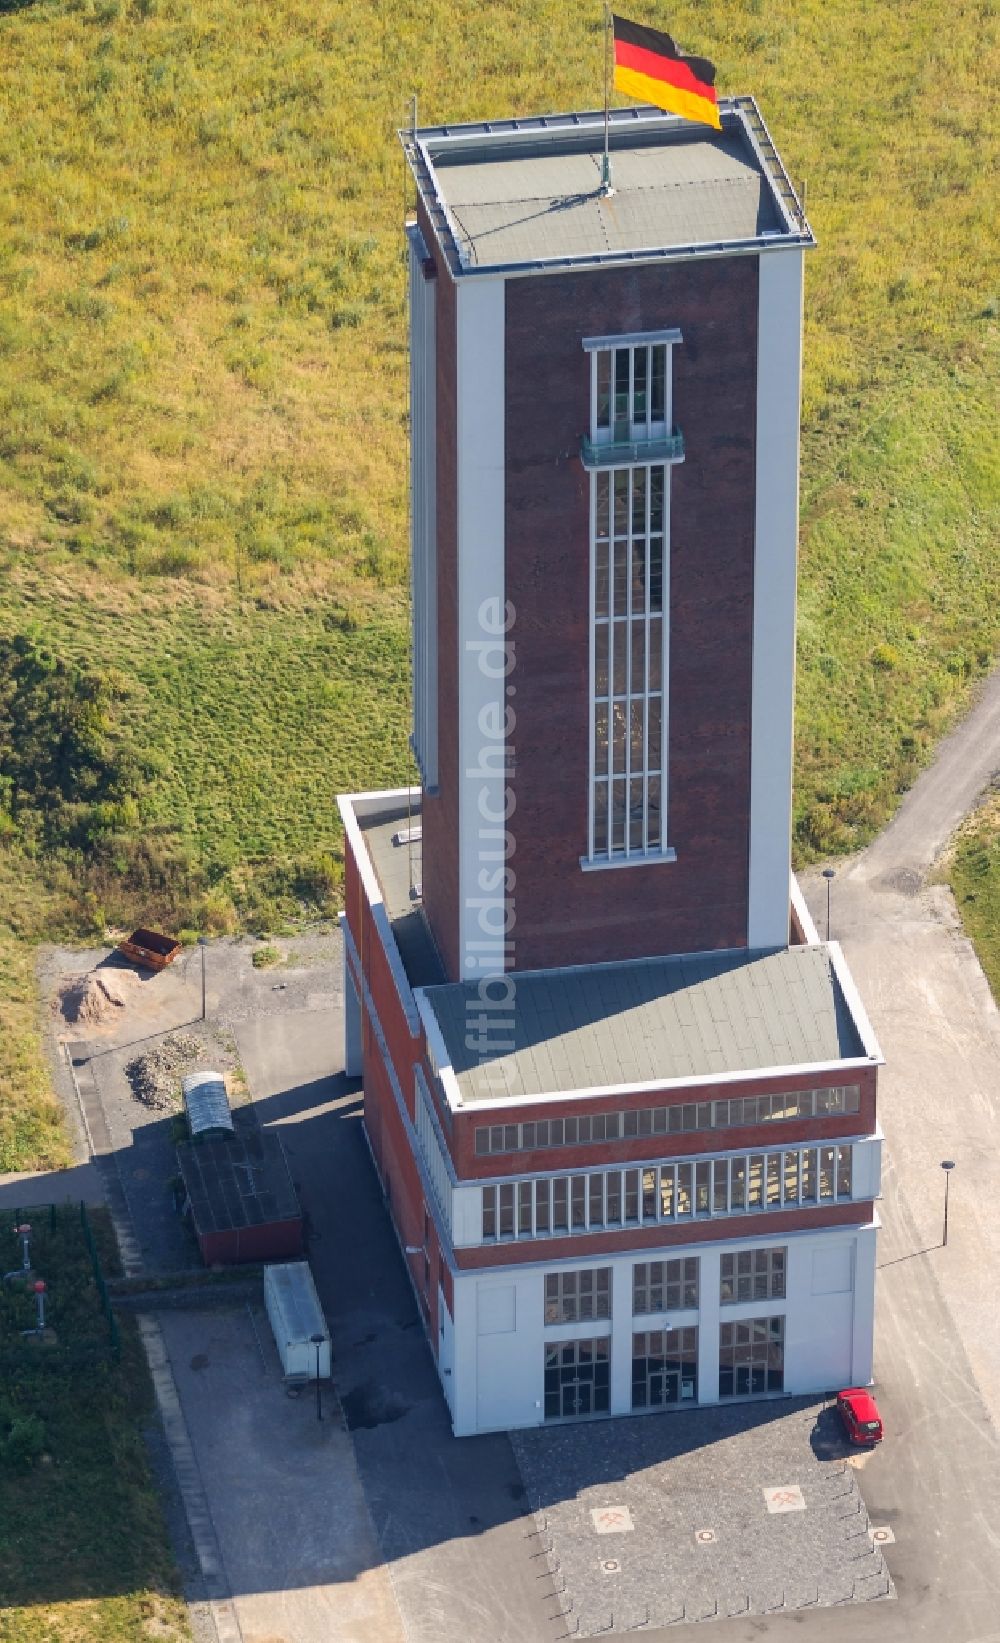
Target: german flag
{"x": 650, "y": 68}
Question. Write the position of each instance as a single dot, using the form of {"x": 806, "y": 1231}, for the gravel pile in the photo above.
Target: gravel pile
{"x": 155, "y": 1077}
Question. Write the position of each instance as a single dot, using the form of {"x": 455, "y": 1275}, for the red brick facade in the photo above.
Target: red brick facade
{"x": 749, "y": 1138}
{"x": 563, "y": 915}
{"x": 590, "y": 1247}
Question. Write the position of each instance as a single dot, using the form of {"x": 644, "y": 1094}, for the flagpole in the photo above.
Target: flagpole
{"x": 606, "y": 160}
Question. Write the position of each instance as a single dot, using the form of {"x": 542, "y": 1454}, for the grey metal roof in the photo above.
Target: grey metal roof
{"x": 525, "y": 194}
{"x": 240, "y": 1180}
{"x": 661, "y": 1019}
{"x": 548, "y": 205}
{"x": 207, "y": 1103}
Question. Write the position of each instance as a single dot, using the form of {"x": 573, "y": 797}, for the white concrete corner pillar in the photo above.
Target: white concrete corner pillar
{"x": 622, "y": 1325}
{"x": 709, "y": 1317}
{"x": 465, "y": 1404}
{"x": 353, "y": 1057}
{"x": 485, "y": 636}
{"x": 863, "y": 1341}
{"x": 776, "y": 529}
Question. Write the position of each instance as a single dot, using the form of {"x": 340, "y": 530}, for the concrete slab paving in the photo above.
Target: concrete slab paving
{"x": 708, "y": 1533}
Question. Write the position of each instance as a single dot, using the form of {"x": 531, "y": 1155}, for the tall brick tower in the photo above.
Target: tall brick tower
{"x": 592, "y": 1016}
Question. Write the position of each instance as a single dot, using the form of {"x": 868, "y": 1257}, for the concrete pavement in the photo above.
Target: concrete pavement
{"x": 81, "y": 1181}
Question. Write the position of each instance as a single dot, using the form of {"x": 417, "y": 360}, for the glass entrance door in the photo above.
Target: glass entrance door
{"x": 664, "y": 1368}
{"x": 577, "y": 1379}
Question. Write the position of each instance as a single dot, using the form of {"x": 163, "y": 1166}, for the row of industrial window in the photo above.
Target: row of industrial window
{"x": 670, "y": 1192}
{"x": 664, "y": 1368}
{"x": 681, "y": 1118}
{"x": 664, "y": 1286}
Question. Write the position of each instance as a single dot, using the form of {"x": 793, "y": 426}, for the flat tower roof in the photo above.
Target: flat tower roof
{"x": 653, "y": 1022}
{"x": 525, "y": 194}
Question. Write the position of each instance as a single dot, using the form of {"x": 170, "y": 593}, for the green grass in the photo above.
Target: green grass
{"x": 974, "y": 874}
{"x": 84, "y": 1555}
{"x": 32, "y": 1129}
{"x": 202, "y": 403}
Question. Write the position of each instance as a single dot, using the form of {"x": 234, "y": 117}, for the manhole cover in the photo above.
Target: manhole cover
{"x": 705, "y": 1537}
{"x": 883, "y": 1536}
{"x": 611, "y": 1566}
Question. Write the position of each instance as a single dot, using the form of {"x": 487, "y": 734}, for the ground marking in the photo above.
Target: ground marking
{"x": 612, "y": 1520}
{"x": 882, "y": 1536}
{"x": 705, "y": 1537}
{"x": 786, "y": 1497}
{"x": 611, "y": 1566}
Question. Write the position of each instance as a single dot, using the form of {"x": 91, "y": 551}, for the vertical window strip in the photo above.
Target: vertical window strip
{"x": 628, "y": 715}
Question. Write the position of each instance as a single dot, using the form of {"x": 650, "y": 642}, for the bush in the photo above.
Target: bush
{"x": 264, "y": 957}
{"x": 23, "y": 1443}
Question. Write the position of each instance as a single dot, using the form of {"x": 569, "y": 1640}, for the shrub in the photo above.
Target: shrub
{"x": 23, "y": 1442}
{"x": 885, "y": 657}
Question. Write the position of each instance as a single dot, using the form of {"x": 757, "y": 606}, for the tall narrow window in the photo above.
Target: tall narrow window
{"x": 630, "y": 446}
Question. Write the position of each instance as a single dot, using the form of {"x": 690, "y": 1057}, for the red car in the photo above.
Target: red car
{"x": 859, "y": 1413}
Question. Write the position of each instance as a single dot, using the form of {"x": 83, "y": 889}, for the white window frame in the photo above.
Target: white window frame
{"x": 564, "y": 1288}
{"x": 600, "y": 788}
{"x": 768, "y": 1261}
{"x": 433, "y": 1148}
{"x": 829, "y": 1101}
{"x": 671, "y": 1192}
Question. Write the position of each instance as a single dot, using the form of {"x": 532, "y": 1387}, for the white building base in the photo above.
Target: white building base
{"x": 496, "y": 1345}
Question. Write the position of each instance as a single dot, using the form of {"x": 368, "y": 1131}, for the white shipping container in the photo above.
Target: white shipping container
{"x": 296, "y": 1316}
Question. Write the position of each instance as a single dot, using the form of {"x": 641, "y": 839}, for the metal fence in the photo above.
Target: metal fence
{"x": 65, "y": 1214}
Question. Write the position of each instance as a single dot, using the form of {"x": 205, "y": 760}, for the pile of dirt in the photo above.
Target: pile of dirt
{"x": 92, "y": 998}
{"x": 155, "y": 1077}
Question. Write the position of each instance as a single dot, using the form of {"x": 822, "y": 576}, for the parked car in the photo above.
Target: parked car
{"x": 859, "y": 1413}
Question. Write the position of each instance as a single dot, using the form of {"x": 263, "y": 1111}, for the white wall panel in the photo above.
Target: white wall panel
{"x": 779, "y": 357}
{"x": 423, "y": 509}
{"x": 482, "y": 700}
{"x": 500, "y": 1333}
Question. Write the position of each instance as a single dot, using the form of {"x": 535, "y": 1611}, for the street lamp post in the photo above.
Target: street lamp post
{"x": 947, "y": 1164}
{"x": 203, "y": 943}
{"x": 317, "y": 1341}
{"x": 829, "y": 875}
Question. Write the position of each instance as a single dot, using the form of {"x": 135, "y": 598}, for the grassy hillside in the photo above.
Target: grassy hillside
{"x": 202, "y": 402}
{"x": 973, "y": 872}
